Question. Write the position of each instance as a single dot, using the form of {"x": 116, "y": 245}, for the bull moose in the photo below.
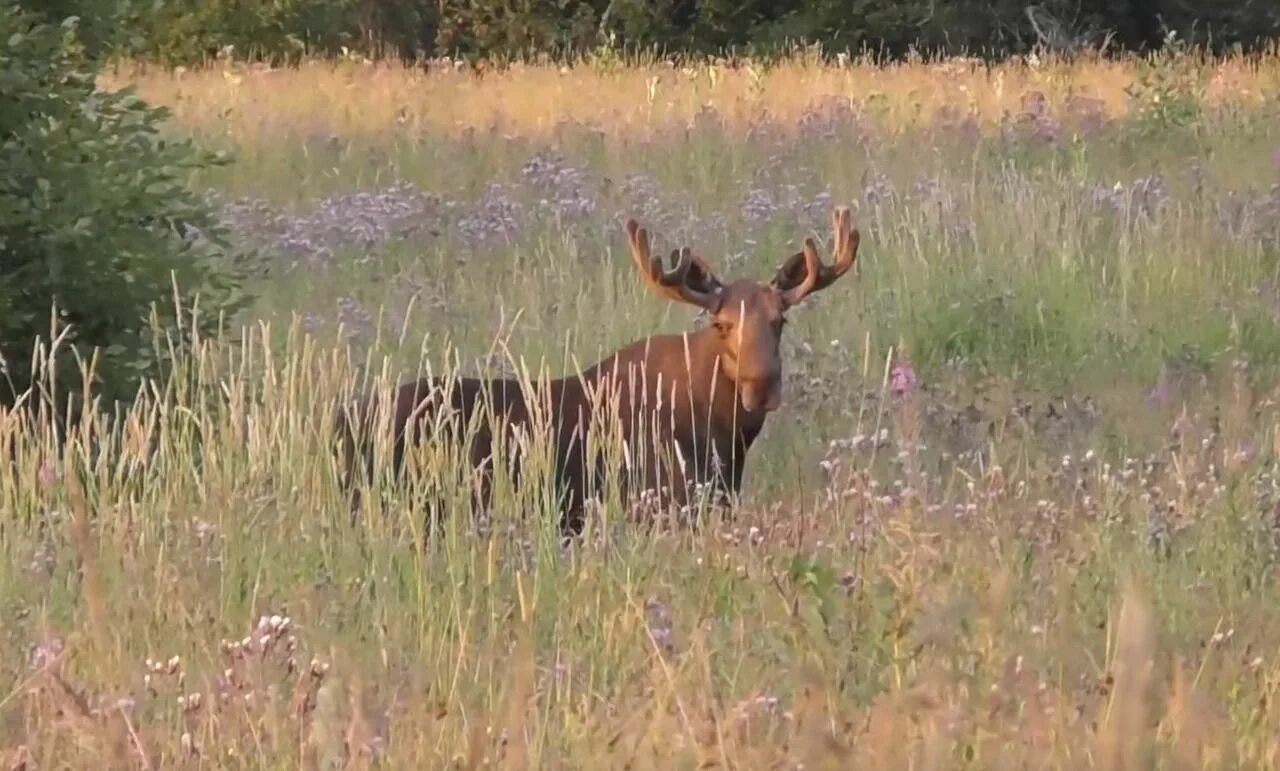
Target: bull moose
{"x": 687, "y": 407}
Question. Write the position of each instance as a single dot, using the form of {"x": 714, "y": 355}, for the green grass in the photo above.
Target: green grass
{"x": 1039, "y": 566}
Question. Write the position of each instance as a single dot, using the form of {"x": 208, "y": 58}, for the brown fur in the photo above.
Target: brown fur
{"x": 687, "y": 407}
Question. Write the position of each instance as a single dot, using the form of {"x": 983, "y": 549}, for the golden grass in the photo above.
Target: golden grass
{"x": 353, "y": 100}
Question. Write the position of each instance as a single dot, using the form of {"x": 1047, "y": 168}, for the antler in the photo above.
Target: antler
{"x": 674, "y": 284}
{"x": 796, "y": 285}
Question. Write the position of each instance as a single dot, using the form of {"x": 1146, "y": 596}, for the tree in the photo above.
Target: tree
{"x": 96, "y": 220}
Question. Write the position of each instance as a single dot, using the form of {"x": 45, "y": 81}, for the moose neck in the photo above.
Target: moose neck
{"x": 687, "y": 364}
{"x": 713, "y": 387}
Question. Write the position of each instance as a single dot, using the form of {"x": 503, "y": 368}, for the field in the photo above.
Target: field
{"x": 1020, "y": 509}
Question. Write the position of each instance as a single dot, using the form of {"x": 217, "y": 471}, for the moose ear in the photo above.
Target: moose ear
{"x": 804, "y": 273}
{"x": 791, "y": 273}
{"x": 701, "y": 278}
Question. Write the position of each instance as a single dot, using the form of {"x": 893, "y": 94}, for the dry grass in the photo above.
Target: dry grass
{"x": 354, "y": 100}
{"x": 855, "y": 624}
{"x": 1047, "y": 539}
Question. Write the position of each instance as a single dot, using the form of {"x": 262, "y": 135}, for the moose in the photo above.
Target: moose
{"x": 687, "y": 407}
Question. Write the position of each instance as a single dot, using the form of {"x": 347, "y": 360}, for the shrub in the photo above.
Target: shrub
{"x": 96, "y": 219}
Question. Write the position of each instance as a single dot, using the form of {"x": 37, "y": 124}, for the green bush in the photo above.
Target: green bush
{"x": 187, "y": 31}
{"x": 1167, "y": 91}
{"x": 95, "y": 219}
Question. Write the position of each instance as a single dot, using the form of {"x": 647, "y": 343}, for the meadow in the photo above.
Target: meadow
{"x": 1020, "y": 509}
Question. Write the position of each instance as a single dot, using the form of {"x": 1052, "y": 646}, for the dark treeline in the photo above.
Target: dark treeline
{"x": 189, "y": 31}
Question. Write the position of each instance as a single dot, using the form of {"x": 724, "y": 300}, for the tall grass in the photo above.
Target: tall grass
{"x": 1019, "y": 509}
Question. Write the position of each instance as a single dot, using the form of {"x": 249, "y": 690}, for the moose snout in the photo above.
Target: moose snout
{"x": 761, "y": 395}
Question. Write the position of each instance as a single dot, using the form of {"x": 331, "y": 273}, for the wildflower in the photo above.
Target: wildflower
{"x": 568, "y": 191}
{"x": 758, "y": 206}
{"x": 660, "y": 623}
{"x": 879, "y": 190}
{"x": 46, "y": 653}
{"x": 902, "y": 378}
{"x": 47, "y": 474}
{"x": 498, "y": 216}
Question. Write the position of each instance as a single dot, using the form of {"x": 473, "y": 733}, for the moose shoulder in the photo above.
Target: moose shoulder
{"x": 687, "y": 407}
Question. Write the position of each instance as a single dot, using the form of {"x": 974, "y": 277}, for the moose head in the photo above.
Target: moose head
{"x": 747, "y": 317}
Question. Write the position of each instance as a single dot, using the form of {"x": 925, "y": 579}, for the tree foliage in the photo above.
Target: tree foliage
{"x": 283, "y": 30}
{"x": 96, "y": 219}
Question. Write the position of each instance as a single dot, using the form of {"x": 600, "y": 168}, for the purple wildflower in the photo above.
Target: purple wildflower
{"x": 830, "y": 117}
{"x": 1149, "y": 195}
{"x": 758, "y": 206}
{"x": 568, "y": 193}
{"x": 47, "y": 653}
{"x": 1103, "y": 197}
{"x": 879, "y": 190}
{"x": 43, "y": 561}
{"x": 642, "y": 197}
{"x": 1035, "y": 121}
{"x": 807, "y": 211}
{"x": 1252, "y": 217}
{"x": 361, "y": 220}
{"x": 660, "y": 624}
{"x": 356, "y": 318}
{"x": 1144, "y": 197}
{"x": 311, "y": 322}
{"x": 498, "y": 216}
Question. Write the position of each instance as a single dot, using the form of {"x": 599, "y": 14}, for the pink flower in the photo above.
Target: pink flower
{"x": 47, "y": 474}
{"x": 902, "y": 378}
